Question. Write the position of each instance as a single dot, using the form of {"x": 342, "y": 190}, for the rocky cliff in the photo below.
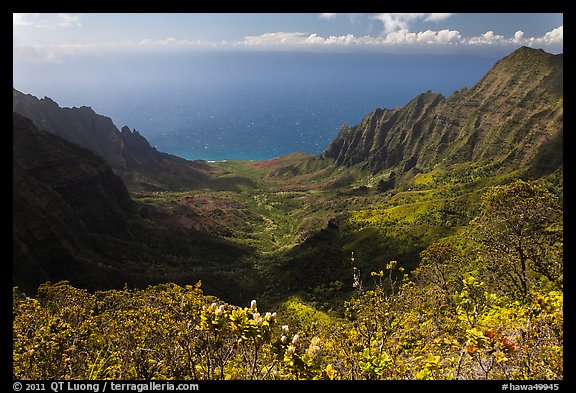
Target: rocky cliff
{"x": 73, "y": 219}
{"x": 127, "y": 152}
{"x": 512, "y": 117}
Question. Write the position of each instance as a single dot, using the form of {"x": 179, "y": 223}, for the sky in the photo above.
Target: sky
{"x": 55, "y": 38}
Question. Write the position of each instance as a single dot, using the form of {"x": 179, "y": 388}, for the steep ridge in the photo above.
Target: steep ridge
{"x": 61, "y": 194}
{"x": 84, "y": 181}
{"x": 513, "y": 117}
{"x": 73, "y": 219}
{"x": 127, "y": 152}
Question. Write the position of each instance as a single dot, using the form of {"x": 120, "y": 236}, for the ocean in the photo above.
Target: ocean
{"x": 247, "y": 105}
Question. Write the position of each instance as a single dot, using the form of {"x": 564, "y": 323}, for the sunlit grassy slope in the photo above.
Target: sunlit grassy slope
{"x": 302, "y": 217}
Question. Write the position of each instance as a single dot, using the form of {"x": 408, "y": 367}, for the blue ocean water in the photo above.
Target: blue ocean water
{"x": 247, "y": 105}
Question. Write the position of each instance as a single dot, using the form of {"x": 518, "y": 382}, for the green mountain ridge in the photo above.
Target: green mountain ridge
{"x": 61, "y": 194}
{"x": 512, "y": 117}
{"x": 74, "y": 219}
{"x": 384, "y": 189}
{"x": 127, "y": 152}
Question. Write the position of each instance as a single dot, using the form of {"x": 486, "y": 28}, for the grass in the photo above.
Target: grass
{"x": 273, "y": 206}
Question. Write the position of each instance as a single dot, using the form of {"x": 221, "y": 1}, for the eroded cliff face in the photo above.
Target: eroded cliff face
{"x": 127, "y": 152}
{"x": 513, "y": 117}
{"x": 81, "y": 126}
{"x": 82, "y": 179}
{"x": 73, "y": 219}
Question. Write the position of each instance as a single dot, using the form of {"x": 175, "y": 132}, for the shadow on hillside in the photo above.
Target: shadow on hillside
{"x": 233, "y": 183}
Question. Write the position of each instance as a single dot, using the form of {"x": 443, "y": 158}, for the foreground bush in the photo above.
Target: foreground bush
{"x": 162, "y": 332}
{"x": 173, "y": 332}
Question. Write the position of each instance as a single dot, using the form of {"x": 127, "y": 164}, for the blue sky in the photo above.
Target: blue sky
{"x": 54, "y": 37}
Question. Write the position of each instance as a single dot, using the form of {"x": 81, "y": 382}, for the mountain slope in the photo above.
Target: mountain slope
{"x": 288, "y": 225}
{"x": 61, "y": 194}
{"x": 73, "y": 219}
{"x": 512, "y": 117}
{"x": 127, "y": 152}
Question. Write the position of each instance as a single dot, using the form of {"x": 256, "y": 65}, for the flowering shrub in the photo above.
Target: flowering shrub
{"x": 162, "y": 332}
{"x": 172, "y": 332}
{"x": 449, "y": 319}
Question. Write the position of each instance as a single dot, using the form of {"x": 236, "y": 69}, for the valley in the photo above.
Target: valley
{"x": 425, "y": 242}
{"x": 305, "y": 207}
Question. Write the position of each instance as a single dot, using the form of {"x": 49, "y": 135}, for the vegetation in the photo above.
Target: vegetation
{"x": 456, "y": 316}
{"x": 414, "y": 247}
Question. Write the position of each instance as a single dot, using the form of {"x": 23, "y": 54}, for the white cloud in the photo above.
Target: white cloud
{"x": 171, "y": 41}
{"x": 19, "y": 19}
{"x": 327, "y": 15}
{"x": 403, "y": 38}
{"x": 555, "y": 36}
{"x": 396, "y": 21}
{"x": 45, "y": 21}
{"x": 394, "y": 38}
{"x": 34, "y": 54}
{"x": 437, "y": 17}
{"x": 314, "y": 39}
{"x": 67, "y": 20}
{"x": 277, "y": 38}
{"x": 298, "y": 39}
{"x": 439, "y": 37}
{"x": 347, "y": 39}
{"x": 487, "y": 38}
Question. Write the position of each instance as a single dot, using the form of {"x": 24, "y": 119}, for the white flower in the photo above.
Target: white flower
{"x": 295, "y": 339}
{"x": 283, "y": 339}
{"x": 313, "y": 350}
{"x": 291, "y": 349}
{"x": 220, "y": 310}
{"x": 314, "y": 347}
{"x": 258, "y": 319}
{"x": 253, "y": 305}
{"x": 285, "y": 329}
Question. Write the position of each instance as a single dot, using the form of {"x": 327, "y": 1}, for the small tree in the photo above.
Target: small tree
{"x": 519, "y": 232}
{"x": 443, "y": 265}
